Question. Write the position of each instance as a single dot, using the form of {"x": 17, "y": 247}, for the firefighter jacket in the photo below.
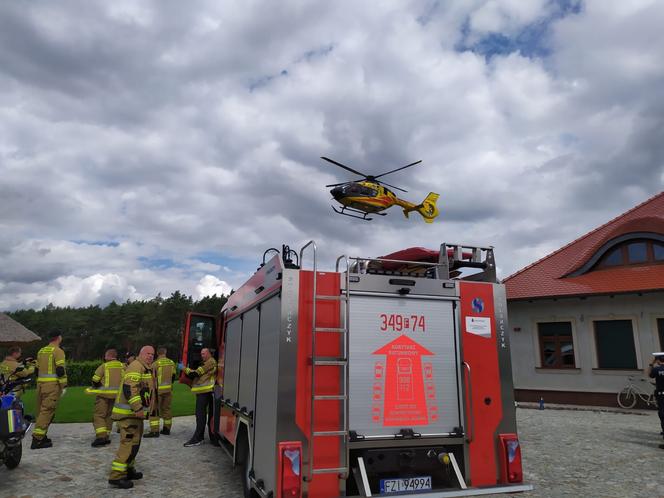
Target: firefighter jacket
{"x": 135, "y": 392}
{"x": 107, "y": 379}
{"x": 8, "y": 371}
{"x": 207, "y": 373}
{"x": 164, "y": 372}
{"x": 51, "y": 365}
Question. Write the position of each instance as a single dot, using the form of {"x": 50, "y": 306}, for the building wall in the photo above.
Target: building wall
{"x": 530, "y": 378}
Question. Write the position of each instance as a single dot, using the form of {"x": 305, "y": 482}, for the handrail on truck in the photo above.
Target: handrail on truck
{"x": 345, "y": 351}
{"x": 471, "y": 425}
{"x": 313, "y": 353}
{"x": 451, "y": 257}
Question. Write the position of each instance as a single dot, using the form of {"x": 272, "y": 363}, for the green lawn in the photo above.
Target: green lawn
{"x": 76, "y": 406}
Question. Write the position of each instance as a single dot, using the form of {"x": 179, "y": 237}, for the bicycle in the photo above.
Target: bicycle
{"x": 630, "y": 394}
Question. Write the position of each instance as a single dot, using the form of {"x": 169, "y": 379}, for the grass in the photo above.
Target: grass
{"x": 76, "y": 406}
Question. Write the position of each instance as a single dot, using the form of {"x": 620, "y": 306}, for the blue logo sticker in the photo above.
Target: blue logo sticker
{"x": 478, "y": 305}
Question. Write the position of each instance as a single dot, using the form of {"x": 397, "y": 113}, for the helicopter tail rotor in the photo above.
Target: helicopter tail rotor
{"x": 427, "y": 209}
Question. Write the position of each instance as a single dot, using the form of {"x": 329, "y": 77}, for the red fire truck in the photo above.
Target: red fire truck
{"x": 386, "y": 376}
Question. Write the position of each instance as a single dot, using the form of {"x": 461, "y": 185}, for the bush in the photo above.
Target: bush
{"x": 79, "y": 373}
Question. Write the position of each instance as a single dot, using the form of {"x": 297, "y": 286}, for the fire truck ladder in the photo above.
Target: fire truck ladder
{"x": 340, "y": 361}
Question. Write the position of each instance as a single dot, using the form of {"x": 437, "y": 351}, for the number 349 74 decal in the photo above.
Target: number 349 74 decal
{"x": 398, "y": 323}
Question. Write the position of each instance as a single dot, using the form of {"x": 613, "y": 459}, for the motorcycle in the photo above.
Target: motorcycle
{"x": 14, "y": 424}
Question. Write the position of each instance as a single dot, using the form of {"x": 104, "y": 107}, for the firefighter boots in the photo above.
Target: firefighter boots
{"x": 166, "y": 431}
{"x": 121, "y": 483}
{"x": 100, "y": 442}
{"x": 133, "y": 475}
{"x": 38, "y": 444}
{"x": 151, "y": 434}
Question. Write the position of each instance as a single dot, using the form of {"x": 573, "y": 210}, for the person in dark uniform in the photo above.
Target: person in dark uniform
{"x": 656, "y": 372}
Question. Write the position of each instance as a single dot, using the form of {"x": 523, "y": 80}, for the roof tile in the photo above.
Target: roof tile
{"x": 546, "y": 277}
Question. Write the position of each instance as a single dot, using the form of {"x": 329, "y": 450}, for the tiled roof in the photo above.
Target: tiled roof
{"x": 546, "y": 277}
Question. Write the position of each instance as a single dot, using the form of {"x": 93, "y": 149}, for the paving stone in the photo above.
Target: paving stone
{"x": 587, "y": 453}
{"x": 72, "y": 468}
{"x": 566, "y": 453}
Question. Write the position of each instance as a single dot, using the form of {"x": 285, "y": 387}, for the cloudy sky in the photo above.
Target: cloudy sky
{"x": 152, "y": 146}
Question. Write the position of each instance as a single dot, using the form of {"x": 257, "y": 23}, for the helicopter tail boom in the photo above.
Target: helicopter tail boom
{"x": 427, "y": 209}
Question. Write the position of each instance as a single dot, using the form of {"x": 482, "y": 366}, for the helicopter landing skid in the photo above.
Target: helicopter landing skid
{"x": 357, "y": 212}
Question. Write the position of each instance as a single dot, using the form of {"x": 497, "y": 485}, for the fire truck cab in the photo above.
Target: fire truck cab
{"x": 387, "y": 375}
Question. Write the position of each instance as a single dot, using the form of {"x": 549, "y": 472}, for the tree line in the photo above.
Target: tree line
{"x": 88, "y": 332}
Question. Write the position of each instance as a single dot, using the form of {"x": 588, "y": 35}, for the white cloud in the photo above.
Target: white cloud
{"x": 210, "y": 285}
{"x": 154, "y": 148}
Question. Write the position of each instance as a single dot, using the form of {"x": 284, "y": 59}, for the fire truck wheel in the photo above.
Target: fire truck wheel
{"x": 244, "y": 463}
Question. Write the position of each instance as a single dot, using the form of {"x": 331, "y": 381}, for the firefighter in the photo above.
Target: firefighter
{"x": 163, "y": 371}
{"x": 129, "y": 410}
{"x": 106, "y": 385}
{"x": 202, "y": 386}
{"x": 51, "y": 386}
{"x": 129, "y": 358}
{"x": 12, "y": 370}
{"x": 656, "y": 371}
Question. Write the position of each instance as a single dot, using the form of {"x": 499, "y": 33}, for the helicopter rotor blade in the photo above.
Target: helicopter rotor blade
{"x": 337, "y": 184}
{"x": 343, "y": 166}
{"x": 392, "y": 186}
{"x": 399, "y": 169}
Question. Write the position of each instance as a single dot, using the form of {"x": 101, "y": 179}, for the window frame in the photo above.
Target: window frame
{"x": 659, "y": 332}
{"x": 635, "y": 339}
{"x": 540, "y": 339}
{"x": 622, "y": 247}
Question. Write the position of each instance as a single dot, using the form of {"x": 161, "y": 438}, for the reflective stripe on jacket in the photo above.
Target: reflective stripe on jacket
{"x": 164, "y": 371}
{"x": 109, "y": 374}
{"x": 207, "y": 373}
{"x": 48, "y": 359}
{"x": 137, "y": 382}
{"x": 8, "y": 371}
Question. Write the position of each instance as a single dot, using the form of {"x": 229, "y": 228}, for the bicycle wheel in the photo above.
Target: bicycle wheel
{"x": 626, "y": 398}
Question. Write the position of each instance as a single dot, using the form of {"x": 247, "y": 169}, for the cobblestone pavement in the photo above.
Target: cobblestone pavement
{"x": 566, "y": 454}
{"x": 577, "y": 454}
{"x": 72, "y": 468}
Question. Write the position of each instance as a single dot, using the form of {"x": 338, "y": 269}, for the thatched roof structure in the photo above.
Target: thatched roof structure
{"x": 12, "y": 332}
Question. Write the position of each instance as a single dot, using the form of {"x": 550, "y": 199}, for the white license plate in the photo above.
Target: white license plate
{"x": 406, "y": 484}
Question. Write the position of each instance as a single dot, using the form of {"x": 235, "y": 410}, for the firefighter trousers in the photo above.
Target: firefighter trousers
{"x": 101, "y": 418}
{"x": 131, "y": 432}
{"x": 48, "y": 395}
{"x": 163, "y": 411}
{"x": 204, "y": 409}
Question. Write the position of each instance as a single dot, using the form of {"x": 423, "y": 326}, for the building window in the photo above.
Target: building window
{"x": 637, "y": 252}
{"x": 633, "y": 252}
{"x": 658, "y": 251}
{"x": 614, "y": 340}
{"x": 556, "y": 344}
{"x": 660, "y": 330}
{"x": 613, "y": 258}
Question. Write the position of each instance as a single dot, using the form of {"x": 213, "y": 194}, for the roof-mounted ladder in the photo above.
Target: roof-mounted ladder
{"x": 340, "y": 361}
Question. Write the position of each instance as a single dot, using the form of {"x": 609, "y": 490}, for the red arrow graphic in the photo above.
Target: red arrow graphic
{"x": 405, "y": 403}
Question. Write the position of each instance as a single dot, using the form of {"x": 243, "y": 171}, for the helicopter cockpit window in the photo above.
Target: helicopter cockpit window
{"x": 201, "y": 335}
{"x": 361, "y": 190}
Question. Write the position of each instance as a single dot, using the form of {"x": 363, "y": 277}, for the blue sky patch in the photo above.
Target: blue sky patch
{"x": 531, "y": 41}
{"x": 236, "y": 264}
{"x": 158, "y": 263}
{"x": 307, "y": 56}
{"x": 106, "y": 243}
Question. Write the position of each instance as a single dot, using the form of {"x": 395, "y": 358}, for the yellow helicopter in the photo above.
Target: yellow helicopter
{"x": 362, "y": 198}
